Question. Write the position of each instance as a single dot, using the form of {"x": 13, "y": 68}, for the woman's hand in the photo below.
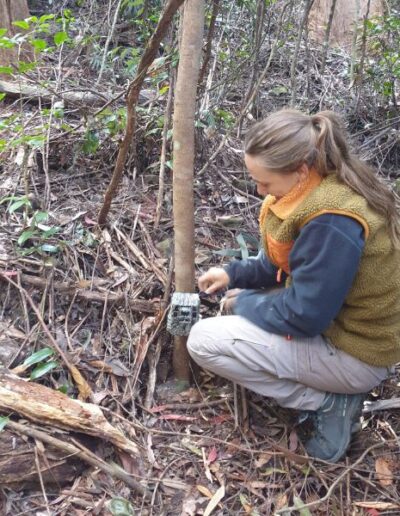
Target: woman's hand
{"x": 213, "y": 280}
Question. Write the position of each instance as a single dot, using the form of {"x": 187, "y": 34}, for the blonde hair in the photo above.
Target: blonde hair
{"x": 288, "y": 139}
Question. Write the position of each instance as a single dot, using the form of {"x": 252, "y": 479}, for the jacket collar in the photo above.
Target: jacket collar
{"x": 283, "y": 207}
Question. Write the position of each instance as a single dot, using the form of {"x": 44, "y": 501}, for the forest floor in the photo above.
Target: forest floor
{"x": 103, "y": 295}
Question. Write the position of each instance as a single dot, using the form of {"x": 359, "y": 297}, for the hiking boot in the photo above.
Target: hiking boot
{"x": 334, "y": 422}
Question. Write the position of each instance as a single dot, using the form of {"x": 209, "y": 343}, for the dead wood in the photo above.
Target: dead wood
{"x": 78, "y": 450}
{"x": 46, "y": 95}
{"x": 373, "y": 406}
{"x": 18, "y": 468}
{"x": 46, "y": 406}
{"x": 75, "y": 289}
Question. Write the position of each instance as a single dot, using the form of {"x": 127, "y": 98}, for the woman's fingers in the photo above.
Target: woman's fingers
{"x": 213, "y": 280}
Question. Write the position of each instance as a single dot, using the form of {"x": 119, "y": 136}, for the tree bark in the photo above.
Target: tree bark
{"x": 183, "y": 162}
{"x": 12, "y": 10}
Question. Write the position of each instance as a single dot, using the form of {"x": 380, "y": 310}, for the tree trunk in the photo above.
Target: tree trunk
{"x": 11, "y": 10}
{"x": 183, "y": 130}
{"x": 347, "y": 15}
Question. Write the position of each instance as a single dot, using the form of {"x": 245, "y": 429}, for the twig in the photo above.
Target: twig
{"x": 333, "y": 486}
{"x": 107, "y": 43}
{"x": 190, "y": 406}
{"x": 37, "y": 464}
{"x": 210, "y": 35}
{"x": 167, "y": 123}
{"x": 307, "y": 7}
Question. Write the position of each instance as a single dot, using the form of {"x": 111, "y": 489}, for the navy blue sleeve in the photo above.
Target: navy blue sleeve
{"x": 256, "y": 272}
{"x": 323, "y": 263}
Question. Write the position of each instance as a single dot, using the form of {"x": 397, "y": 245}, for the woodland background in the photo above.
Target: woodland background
{"x": 83, "y": 305}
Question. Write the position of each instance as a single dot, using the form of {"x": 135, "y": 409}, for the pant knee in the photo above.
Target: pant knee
{"x": 197, "y": 339}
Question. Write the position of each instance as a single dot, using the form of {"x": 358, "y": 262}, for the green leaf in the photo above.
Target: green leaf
{"x": 22, "y": 24}
{"x": 26, "y": 235}
{"x": 38, "y": 356}
{"x": 46, "y": 17}
{"x": 39, "y": 44}
{"x": 120, "y": 507}
{"x": 7, "y": 43}
{"x": 243, "y": 247}
{"x": 232, "y": 253}
{"x": 298, "y": 502}
{"x": 2, "y": 96}
{"x": 17, "y": 204}
{"x": 42, "y": 369}
{"x": 3, "y": 421}
{"x": 49, "y": 248}
{"x": 40, "y": 216}
{"x": 8, "y": 70}
{"x": 91, "y": 142}
{"x": 60, "y": 38}
{"x": 164, "y": 89}
{"x": 24, "y": 67}
{"x": 2, "y": 32}
{"x": 63, "y": 388}
{"x": 50, "y": 232}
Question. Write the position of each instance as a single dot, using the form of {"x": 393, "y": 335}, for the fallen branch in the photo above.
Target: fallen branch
{"x": 46, "y": 406}
{"x": 373, "y": 406}
{"x": 46, "y": 95}
{"x": 75, "y": 289}
{"x": 18, "y": 468}
{"x": 82, "y": 453}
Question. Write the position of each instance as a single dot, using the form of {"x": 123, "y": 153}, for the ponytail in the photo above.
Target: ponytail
{"x": 288, "y": 139}
{"x": 334, "y": 156}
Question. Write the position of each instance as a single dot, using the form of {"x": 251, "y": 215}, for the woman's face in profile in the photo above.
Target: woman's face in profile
{"x": 268, "y": 182}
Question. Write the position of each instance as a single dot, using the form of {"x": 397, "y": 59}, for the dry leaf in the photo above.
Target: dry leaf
{"x": 212, "y": 455}
{"x": 380, "y": 506}
{"x": 263, "y": 459}
{"x": 217, "y": 497}
{"x": 204, "y": 491}
{"x": 83, "y": 387}
{"x": 384, "y": 474}
{"x": 281, "y": 500}
{"x": 293, "y": 441}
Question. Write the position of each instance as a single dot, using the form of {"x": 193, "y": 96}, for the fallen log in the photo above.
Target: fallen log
{"x": 79, "y": 451}
{"x": 18, "y": 467}
{"x": 46, "y": 406}
{"x": 70, "y": 98}
{"x": 30, "y": 91}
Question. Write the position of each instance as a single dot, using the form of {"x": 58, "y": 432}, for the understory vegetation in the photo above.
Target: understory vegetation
{"x": 77, "y": 296}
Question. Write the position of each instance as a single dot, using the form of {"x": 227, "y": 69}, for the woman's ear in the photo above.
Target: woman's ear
{"x": 303, "y": 171}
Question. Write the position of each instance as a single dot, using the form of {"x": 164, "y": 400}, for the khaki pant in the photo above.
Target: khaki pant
{"x": 297, "y": 373}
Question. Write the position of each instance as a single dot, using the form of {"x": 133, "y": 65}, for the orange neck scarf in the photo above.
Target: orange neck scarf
{"x": 284, "y": 206}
